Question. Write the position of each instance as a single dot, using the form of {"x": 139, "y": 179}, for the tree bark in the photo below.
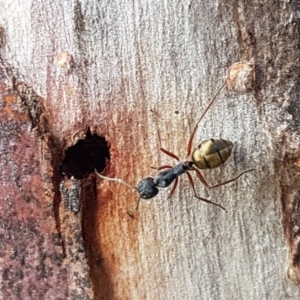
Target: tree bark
{"x": 72, "y": 70}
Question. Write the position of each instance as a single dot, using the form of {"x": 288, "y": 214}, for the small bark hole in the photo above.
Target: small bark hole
{"x": 85, "y": 156}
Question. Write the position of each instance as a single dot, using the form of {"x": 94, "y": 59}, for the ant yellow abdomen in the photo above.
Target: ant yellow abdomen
{"x": 211, "y": 153}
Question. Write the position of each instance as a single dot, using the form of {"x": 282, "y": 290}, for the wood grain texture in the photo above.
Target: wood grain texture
{"x": 171, "y": 56}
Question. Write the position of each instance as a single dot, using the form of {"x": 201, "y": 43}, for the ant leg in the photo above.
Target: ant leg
{"x": 173, "y": 188}
{"x": 159, "y": 140}
{"x": 198, "y": 197}
{"x": 201, "y": 178}
{"x": 169, "y": 153}
{"x": 190, "y": 144}
{"x": 162, "y": 167}
{"x": 230, "y": 180}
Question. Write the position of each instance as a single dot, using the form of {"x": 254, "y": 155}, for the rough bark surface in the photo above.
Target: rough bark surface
{"x": 68, "y": 238}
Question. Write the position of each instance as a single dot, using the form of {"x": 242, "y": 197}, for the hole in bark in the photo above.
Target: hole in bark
{"x": 77, "y": 215}
{"x": 82, "y": 158}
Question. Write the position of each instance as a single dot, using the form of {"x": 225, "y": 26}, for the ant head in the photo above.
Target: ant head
{"x": 146, "y": 188}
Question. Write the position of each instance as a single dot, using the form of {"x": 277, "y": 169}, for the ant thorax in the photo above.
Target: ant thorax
{"x": 165, "y": 178}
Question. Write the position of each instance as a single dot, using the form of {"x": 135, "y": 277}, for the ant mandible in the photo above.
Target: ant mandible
{"x": 208, "y": 154}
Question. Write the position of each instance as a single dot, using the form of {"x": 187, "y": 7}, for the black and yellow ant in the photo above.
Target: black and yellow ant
{"x": 208, "y": 154}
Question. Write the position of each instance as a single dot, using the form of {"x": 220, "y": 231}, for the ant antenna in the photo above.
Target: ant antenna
{"x": 130, "y": 214}
{"x": 114, "y": 179}
{"x": 137, "y": 205}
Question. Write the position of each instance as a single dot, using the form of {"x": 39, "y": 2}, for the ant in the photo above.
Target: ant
{"x": 208, "y": 154}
